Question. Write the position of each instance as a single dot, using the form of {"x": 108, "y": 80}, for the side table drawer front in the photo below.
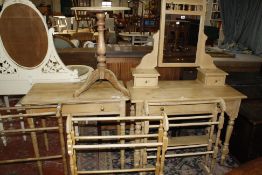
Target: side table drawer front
{"x": 93, "y": 108}
{"x": 182, "y": 109}
{"x": 146, "y": 82}
{"x": 215, "y": 81}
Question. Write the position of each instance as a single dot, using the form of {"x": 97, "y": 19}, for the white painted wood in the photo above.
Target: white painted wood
{"x": 6, "y": 100}
{"x": 16, "y": 79}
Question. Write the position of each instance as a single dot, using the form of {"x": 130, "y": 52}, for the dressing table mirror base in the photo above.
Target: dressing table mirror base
{"x": 144, "y": 78}
{"x": 145, "y": 75}
{"x": 212, "y": 77}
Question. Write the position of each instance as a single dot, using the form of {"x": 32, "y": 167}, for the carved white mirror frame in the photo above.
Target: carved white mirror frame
{"x": 17, "y": 79}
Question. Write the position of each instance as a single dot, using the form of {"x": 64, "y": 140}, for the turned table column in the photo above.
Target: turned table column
{"x": 101, "y": 73}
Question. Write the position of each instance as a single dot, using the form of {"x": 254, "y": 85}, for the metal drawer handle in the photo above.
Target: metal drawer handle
{"x": 102, "y": 108}
{"x": 162, "y": 109}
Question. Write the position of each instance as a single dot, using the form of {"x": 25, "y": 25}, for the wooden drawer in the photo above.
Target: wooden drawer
{"x": 145, "y": 81}
{"x": 212, "y": 77}
{"x": 182, "y": 109}
{"x": 93, "y": 108}
{"x": 215, "y": 81}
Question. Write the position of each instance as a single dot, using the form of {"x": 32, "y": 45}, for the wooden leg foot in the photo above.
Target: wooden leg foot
{"x": 90, "y": 80}
{"x": 102, "y": 74}
{"x": 110, "y": 76}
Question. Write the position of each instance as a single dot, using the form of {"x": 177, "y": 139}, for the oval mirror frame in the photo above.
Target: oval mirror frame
{"x": 24, "y": 35}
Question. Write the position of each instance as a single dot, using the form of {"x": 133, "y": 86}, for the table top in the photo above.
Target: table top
{"x": 55, "y": 93}
{"x": 99, "y": 9}
{"x": 182, "y": 90}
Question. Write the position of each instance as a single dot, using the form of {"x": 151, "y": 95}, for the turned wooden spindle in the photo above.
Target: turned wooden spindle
{"x": 101, "y": 47}
{"x": 101, "y": 73}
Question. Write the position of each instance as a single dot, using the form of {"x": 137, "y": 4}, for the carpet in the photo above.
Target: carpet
{"x": 173, "y": 166}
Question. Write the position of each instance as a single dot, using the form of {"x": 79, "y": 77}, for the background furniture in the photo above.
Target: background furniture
{"x": 61, "y": 42}
{"x": 136, "y": 37}
{"x": 60, "y": 23}
{"x": 215, "y": 20}
{"x": 82, "y": 15}
{"x": 246, "y": 143}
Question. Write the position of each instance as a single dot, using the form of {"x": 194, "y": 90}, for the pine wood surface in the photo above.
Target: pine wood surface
{"x": 55, "y": 93}
{"x": 182, "y": 90}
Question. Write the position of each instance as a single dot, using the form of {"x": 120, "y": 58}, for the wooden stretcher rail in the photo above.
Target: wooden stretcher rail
{"x": 29, "y": 130}
{"x": 193, "y": 124}
{"x": 187, "y": 146}
{"x": 30, "y": 159}
{"x": 190, "y": 118}
{"x": 139, "y": 118}
{"x": 116, "y": 146}
{"x": 190, "y": 154}
{"x": 180, "y": 147}
{"x": 117, "y": 171}
{"x": 35, "y": 115}
{"x": 116, "y": 137}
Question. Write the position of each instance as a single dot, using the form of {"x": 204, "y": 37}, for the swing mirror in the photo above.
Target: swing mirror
{"x": 180, "y": 30}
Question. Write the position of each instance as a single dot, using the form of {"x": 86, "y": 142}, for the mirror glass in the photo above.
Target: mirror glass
{"x": 24, "y": 35}
{"x": 180, "y": 38}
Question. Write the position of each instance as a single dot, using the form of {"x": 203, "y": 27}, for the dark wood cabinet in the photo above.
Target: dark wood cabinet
{"x": 246, "y": 141}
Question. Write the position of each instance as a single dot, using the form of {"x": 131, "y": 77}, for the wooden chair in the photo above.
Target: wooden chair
{"x": 60, "y": 23}
{"x": 16, "y": 122}
{"x": 27, "y": 52}
{"x": 122, "y": 141}
{"x": 205, "y": 115}
{"x": 82, "y": 15}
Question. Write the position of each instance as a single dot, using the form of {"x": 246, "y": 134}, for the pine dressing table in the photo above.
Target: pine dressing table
{"x": 189, "y": 90}
{"x": 210, "y": 82}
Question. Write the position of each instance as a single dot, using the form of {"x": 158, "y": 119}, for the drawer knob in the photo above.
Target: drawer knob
{"x": 102, "y": 108}
{"x": 162, "y": 109}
